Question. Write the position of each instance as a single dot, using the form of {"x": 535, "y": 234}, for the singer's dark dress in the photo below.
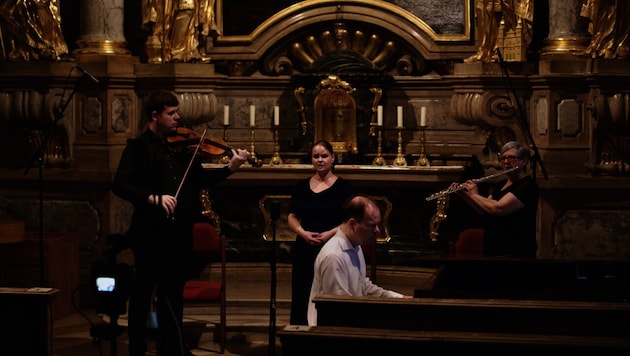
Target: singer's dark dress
{"x": 317, "y": 212}
{"x": 162, "y": 246}
{"x": 513, "y": 235}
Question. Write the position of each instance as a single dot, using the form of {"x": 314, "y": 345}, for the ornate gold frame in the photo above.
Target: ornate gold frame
{"x": 317, "y": 7}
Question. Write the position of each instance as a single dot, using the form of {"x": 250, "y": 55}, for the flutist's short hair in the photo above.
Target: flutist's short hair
{"x": 522, "y": 151}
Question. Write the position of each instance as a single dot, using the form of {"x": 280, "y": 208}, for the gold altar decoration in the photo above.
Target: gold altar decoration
{"x": 226, "y": 157}
{"x": 206, "y": 209}
{"x": 335, "y": 115}
{"x": 423, "y": 160}
{"x": 31, "y": 30}
{"x": 506, "y": 25}
{"x": 276, "y": 159}
{"x": 609, "y": 26}
{"x": 297, "y": 94}
{"x": 379, "y": 160}
{"x": 176, "y": 27}
{"x": 400, "y": 157}
{"x": 252, "y": 147}
{"x": 438, "y": 217}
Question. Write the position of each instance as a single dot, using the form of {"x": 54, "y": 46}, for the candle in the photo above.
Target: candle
{"x": 276, "y": 115}
{"x": 423, "y": 116}
{"x": 226, "y": 115}
{"x": 399, "y": 116}
{"x": 252, "y": 115}
{"x": 379, "y": 115}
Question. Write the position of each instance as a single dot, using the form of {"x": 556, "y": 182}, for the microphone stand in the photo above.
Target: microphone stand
{"x": 41, "y": 161}
{"x": 520, "y": 115}
{"x": 274, "y": 212}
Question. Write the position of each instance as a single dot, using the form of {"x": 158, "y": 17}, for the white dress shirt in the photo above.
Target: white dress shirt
{"x": 340, "y": 270}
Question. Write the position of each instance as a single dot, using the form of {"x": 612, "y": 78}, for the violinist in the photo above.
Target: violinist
{"x": 149, "y": 174}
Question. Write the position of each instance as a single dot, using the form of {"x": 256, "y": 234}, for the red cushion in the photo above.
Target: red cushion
{"x": 206, "y": 241}
{"x": 201, "y": 291}
{"x": 470, "y": 243}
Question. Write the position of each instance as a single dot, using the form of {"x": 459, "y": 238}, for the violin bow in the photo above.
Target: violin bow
{"x": 190, "y": 163}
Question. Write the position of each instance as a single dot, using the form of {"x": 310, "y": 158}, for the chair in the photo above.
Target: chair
{"x": 469, "y": 243}
{"x": 209, "y": 247}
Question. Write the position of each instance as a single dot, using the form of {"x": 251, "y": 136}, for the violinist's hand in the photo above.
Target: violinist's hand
{"x": 239, "y": 156}
{"x": 168, "y": 202}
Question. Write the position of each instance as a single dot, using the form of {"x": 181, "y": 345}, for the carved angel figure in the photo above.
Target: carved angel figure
{"x": 175, "y": 29}
{"x": 609, "y": 26}
{"x": 490, "y": 14}
{"x": 31, "y": 30}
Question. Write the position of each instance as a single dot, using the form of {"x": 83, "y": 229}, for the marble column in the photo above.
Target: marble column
{"x": 568, "y": 31}
{"x": 101, "y": 26}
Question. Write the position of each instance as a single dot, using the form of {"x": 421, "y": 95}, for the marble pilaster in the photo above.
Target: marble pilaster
{"x": 101, "y": 26}
{"x": 568, "y": 31}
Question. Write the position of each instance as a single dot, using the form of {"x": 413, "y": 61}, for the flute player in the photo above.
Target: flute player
{"x": 509, "y": 211}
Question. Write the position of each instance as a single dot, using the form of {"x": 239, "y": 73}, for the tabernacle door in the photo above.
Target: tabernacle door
{"x": 335, "y": 115}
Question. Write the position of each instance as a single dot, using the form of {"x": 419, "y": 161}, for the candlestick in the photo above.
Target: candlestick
{"x": 379, "y": 160}
{"x": 276, "y": 160}
{"x": 399, "y": 116}
{"x": 226, "y": 115}
{"x": 379, "y": 115}
{"x": 276, "y": 115}
{"x": 400, "y": 158}
{"x": 252, "y": 115}
{"x": 423, "y": 160}
{"x": 226, "y": 158}
{"x": 252, "y": 152}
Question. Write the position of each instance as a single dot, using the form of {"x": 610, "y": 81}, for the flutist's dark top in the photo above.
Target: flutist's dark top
{"x": 514, "y": 234}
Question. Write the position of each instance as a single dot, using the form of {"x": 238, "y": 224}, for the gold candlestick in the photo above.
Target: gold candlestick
{"x": 226, "y": 158}
{"x": 423, "y": 160}
{"x": 400, "y": 158}
{"x": 275, "y": 160}
{"x": 379, "y": 160}
{"x": 252, "y": 152}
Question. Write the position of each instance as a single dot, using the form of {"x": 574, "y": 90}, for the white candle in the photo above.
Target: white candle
{"x": 399, "y": 116}
{"x": 226, "y": 115}
{"x": 379, "y": 115}
{"x": 423, "y": 116}
{"x": 276, "y": 115}
{"x": 252, "y": 115}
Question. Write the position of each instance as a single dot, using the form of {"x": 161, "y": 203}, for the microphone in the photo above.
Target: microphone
{"x": 87, "y": 74}
{"x": 499, "y": 54}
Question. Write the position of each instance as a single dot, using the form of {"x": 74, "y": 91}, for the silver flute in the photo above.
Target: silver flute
{"x": 460, "y": 186}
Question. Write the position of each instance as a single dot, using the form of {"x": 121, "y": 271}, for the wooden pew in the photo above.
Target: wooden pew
{"x": 376, "y": 325}
{"x": 339, "y": 340}
{"x": 487, "y": 305}
{"x": 532, "y": 279}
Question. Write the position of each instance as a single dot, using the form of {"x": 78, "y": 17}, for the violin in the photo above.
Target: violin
{"x": 211, "y": 145}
